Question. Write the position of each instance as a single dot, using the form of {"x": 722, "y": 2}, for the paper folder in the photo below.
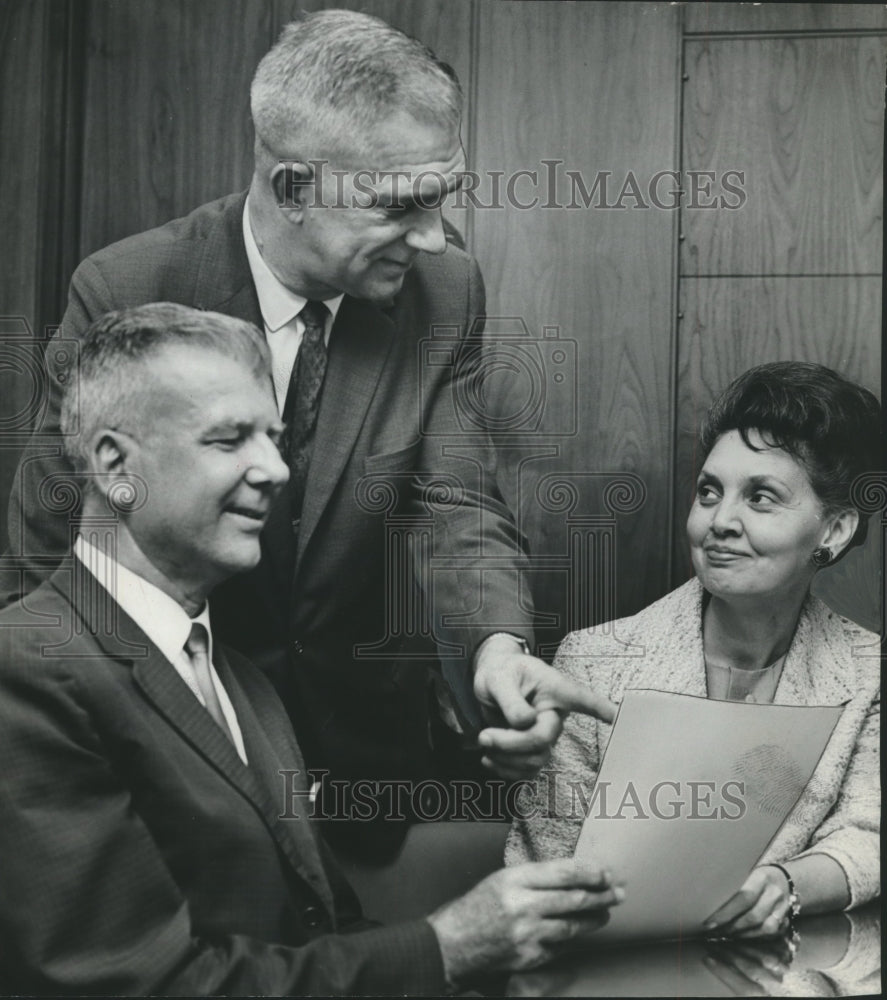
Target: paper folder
{"x": 689, "y": 794}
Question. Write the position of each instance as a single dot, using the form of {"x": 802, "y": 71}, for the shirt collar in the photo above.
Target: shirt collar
{"x": 278, "y": 303}
{"x": 163, "y": 620}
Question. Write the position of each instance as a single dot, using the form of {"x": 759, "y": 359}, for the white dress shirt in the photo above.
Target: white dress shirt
{"x": 280, "y": 308}
{"x": 163, "y": 621}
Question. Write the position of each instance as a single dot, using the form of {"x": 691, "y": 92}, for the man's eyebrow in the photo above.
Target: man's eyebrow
{"x": 434, "y": 197}
{"x": 226, "y": 426}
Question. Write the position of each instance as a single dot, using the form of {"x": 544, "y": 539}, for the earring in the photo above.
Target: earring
{"x": 822, "y": 556}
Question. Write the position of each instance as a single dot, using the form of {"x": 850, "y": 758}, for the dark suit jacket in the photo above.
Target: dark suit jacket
{"x": 388, "y": 410}
{"x": 139, "y": 854}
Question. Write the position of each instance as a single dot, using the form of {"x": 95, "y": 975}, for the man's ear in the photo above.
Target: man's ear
{"x": 840, "y": 529}
{"x": 109, "y": 456}
{"x": 292, "y": 182}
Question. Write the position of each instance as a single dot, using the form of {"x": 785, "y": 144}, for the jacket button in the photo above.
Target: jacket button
{"x": 298, "y": 647}
{"x": 312, "y": 916}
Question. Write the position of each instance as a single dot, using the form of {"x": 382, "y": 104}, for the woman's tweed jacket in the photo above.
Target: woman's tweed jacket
{"x": 831, "y": 661}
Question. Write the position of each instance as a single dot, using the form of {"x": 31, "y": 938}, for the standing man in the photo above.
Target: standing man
{"x": 338, "y": 251}
{"x": 149, "y": 843}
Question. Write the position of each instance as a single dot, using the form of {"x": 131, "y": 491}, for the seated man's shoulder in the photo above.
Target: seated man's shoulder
{"x": 42, "y": 612}
{"x": 41, "y": 645}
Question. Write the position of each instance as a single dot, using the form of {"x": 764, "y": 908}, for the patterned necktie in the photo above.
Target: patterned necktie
{"x": 303, "y": 402}
{"x": 197, "y": 649}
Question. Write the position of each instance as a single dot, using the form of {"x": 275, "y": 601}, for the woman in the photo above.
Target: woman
{"x": 781, "y": 448}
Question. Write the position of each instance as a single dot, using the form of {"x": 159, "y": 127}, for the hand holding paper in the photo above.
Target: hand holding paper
{"x": 690, "y": 793}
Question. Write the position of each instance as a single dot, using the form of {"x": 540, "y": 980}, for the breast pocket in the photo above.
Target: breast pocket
{"x": 403, "y": 460}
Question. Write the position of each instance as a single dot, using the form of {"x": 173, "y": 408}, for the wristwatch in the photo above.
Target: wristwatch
{"x": 525, "y": 646}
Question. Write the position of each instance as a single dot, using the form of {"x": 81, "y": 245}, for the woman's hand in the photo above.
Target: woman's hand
{"x": 759, "y": 909}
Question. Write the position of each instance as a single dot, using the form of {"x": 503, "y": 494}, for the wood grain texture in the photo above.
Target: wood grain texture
{"x": 167, "y": 109}
{"x": 803, "y": 118}
{"x": 22, "y": 67}
{"x": 707, "y": 17}
{"x": 22, "y": 25}
{"x": 731, "y": 324}
{"x": 443, "y": 25}
{"x": 61, "y": 160}
{"x": 592, "y": 86}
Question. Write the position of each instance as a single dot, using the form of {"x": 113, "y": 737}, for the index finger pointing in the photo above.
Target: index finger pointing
{"x": 571, "y": 695}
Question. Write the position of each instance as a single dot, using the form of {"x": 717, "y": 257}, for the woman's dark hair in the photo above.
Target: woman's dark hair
{"x": 832, "y": 426}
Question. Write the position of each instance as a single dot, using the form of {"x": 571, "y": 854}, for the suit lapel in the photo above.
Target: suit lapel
{"x": 360, "y": 342}
{"x": 817, "y": 670}
{"x": 688, "y": 667}
{"x": 172, "y": 698}
{"x": 224, "y": 282}
{"x": 674, "y": 658}
{"x": 269, "y": 789}
{"x": 153, "y": 673}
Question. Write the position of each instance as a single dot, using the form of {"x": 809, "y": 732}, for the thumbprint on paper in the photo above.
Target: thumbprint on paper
{"x": 771, "y": 776}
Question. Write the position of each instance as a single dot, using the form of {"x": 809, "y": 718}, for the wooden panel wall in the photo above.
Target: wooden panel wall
{"x": 593, "y": 86}
{"x": 22, "y": 33}
{"x": 166, "y": 110}
{"x": 120, "y": 114}
{"x": 39, "y": 182}
{"x": 710, "y": 18}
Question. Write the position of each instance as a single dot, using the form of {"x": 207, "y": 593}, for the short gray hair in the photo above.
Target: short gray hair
{"x": 335, "y": 75}
{"x": 106, "y": 389}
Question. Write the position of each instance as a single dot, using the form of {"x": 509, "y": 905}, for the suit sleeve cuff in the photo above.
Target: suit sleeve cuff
{"x": 406, "y": 960}
{"x": 524, "y": 639}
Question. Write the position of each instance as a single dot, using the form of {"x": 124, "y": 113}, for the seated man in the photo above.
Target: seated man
{"x": 150, "y": 837}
